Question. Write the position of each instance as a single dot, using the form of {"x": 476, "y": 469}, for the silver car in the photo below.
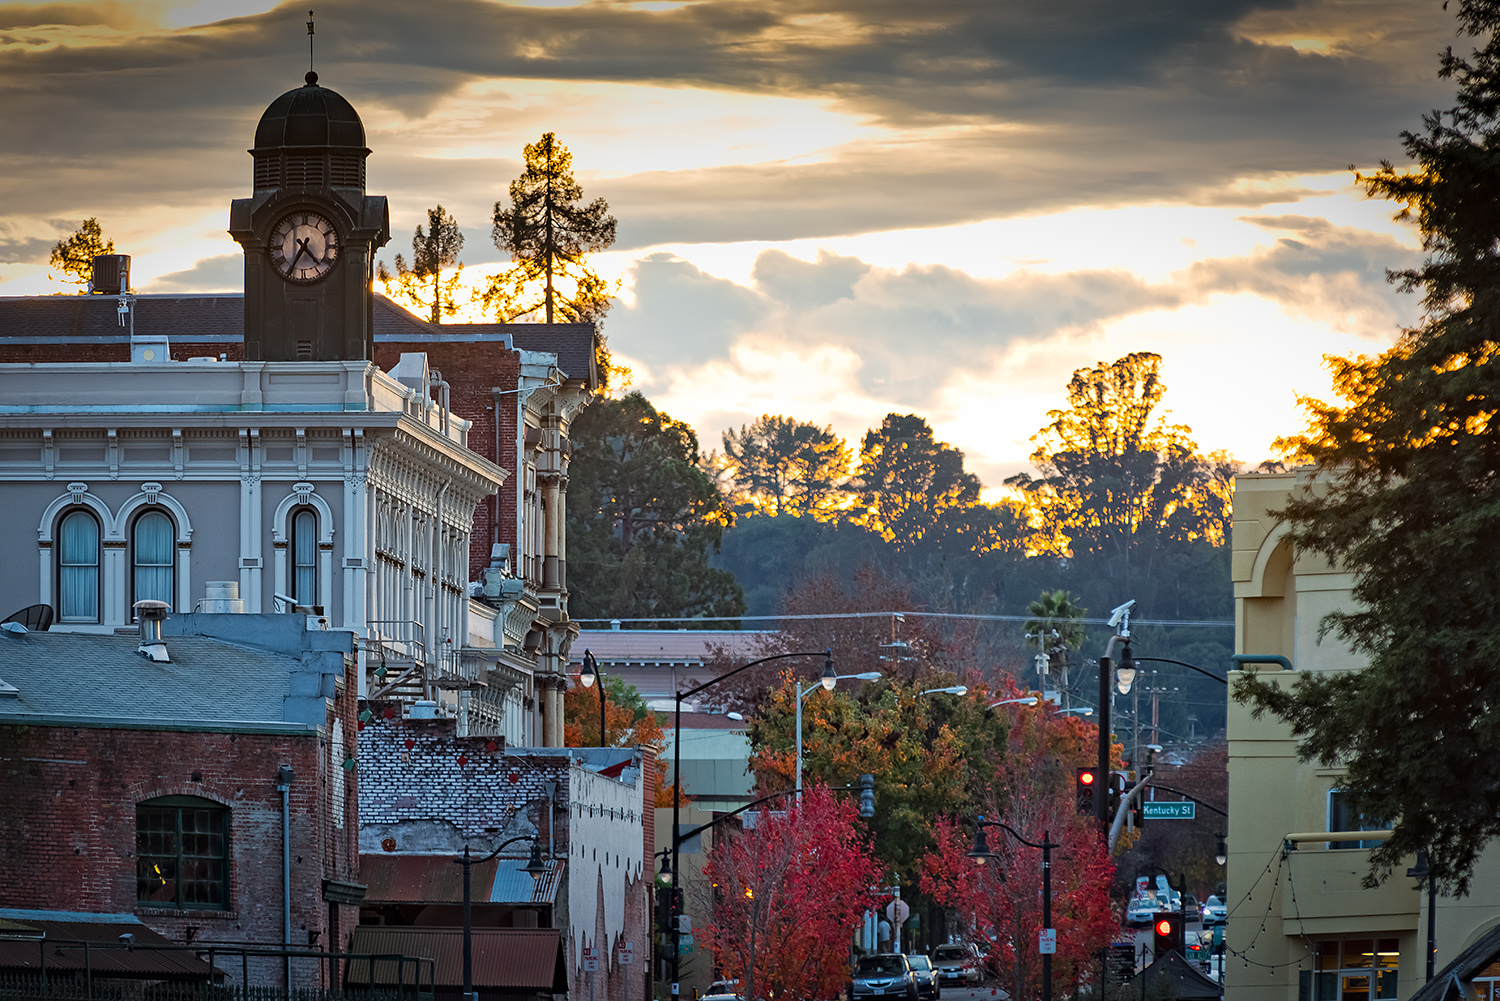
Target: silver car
{"x": 958, "y": 963}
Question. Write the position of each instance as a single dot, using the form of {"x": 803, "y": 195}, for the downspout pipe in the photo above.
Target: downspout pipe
{"x": 1241, "y": 659}
{"x": 284, "y": 777}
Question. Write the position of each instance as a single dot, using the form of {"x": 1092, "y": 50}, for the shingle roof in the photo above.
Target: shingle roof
{"x": 61, "y": 674}
{"x": 215, "y": 318}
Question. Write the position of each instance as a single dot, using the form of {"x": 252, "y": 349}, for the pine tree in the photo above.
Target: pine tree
{"x": 548, "y": 235}
{"x": 1406, "y": 496}
{"x": 786, "y": 466}
{"x": 74, "y": 257}
{"x": 422, "y": 283}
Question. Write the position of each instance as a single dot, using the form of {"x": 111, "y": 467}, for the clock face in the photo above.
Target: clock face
{"x": 304, "y": 246}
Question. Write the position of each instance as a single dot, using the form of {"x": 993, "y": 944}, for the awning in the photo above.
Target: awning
{"x": 436, "y": 879}
{"x": 516, "y": 959}
{"x": 28, "y": 945}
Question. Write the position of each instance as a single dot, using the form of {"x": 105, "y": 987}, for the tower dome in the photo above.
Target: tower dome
{"x": 310, "y": 137}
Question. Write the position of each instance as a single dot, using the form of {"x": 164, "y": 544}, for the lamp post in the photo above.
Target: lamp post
{"x": 676, "y": 860}
{"x": 982, "y": 854}
{"x": 826, "y": 682}
{"x": 1030, "y": 700}
{"x": 1422, "y": 873}
{"x": 959, "y": 690}
{"x": 535, "y": 866}
{"x": 1124, "y": 678}
{"x": 588, "y": 676}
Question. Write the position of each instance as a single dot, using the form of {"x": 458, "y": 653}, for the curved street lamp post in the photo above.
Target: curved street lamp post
{"x": 534, "y": 866}
{"x": 587, "y": 677}
{"x": 982, "y": 854}
{"x": 674, "y": 861}
{"x": 826, "y": 682}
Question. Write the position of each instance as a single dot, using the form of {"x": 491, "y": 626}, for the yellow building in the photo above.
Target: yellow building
{"x": 1301, "y": 927}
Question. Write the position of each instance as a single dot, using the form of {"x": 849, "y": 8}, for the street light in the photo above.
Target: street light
{"x": 1030, "y": 700}
{"x": 982, "y": 854}
{"x": 588, "y": 676}
{"x": 677, "y": 787}
{"x": 827, "y": 681}
{"x": 1422, "y": 873}
{"x": 537, "y": 869}
{"x": 959, "y": 690}
{"x": 1221, "y": 851}
{"x": 1082, "y": 711}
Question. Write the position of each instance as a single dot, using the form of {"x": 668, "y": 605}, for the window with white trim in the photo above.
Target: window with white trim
{"x": 1342, "y": 818}
{"x": 153, "y": 557}
{"x": 78, "y": 567}
{"x": 304, "y": 562}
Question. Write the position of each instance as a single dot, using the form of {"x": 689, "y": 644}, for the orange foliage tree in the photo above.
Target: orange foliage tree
{"x": 789, "y": 894}
{"x": 1001, "y": 901}
{"x": 627, "y": 723}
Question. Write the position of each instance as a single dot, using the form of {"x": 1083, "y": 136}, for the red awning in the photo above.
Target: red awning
{"x": 95, "y": 945}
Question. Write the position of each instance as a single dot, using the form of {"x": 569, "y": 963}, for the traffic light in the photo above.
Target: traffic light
{"x": 1166, "y": 928}
{"x": 1088, "y": 779}
{"x": 1117, "y": 788}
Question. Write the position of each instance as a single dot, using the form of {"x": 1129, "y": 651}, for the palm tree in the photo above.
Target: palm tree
{"x": 1054, "y": 631}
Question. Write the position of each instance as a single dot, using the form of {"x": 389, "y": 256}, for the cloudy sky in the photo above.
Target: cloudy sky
{"x": 831, "y": 209}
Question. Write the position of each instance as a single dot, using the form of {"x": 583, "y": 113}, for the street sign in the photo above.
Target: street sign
{"x": 626, "y": 953}
{"x": 898, "y": 911}
{"x": 1046, "y": 943}
{"x": 1168, "y": 811}
{"x": 590, "y": 959}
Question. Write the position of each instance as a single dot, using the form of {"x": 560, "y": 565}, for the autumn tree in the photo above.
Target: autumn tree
{"x": 932, "y": 755}
{"x": 1116, "y": 477}
{"x": 1403, "y": 494}
{"x": 422, "y": 283}
{"x": 1034, "y": 793}
{"x": 548, "y": 234}
{"x": 786, "y": 466}
{"x": 643, "y": 518}
{"x": 73, "y": 258}
{"x": 791, "y": 891}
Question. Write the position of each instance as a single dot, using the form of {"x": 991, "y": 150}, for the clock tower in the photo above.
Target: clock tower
{"x": 310, "y": 232}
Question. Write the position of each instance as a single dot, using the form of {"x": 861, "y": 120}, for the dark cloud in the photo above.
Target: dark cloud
{"x": 800, "y": 283}
{"x": 212, "y": 274}
{"x": 682, "y": 316}
{"x": 1032, "y": 106}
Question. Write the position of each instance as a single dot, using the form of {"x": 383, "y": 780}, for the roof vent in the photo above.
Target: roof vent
{"x": 151, "y": 614}
{"x": 222, "y": 596}
{"x": 422, "y": 709}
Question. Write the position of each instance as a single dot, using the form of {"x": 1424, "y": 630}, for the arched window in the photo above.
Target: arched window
{"x": 304, "y": 582}
{"x": 78, "y": 567}
{"x": 153, "y": 549}
{"x": 182, "y": 853}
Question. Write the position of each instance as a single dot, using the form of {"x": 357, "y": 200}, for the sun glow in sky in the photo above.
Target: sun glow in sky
{"x": 831, "y": 211}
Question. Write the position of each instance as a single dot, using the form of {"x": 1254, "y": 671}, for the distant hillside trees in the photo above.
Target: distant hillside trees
{"x": 784, "y": 466}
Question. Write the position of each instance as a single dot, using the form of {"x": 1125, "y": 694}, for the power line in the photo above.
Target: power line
{"x": 1180, "y": 623}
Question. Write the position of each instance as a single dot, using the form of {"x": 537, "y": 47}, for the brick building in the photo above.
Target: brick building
{"x": 427, "y": 793}
{"x": 409, "y": 480}
{"x": 147, "y": 791}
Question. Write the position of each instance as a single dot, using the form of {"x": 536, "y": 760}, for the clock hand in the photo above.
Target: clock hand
{"x": 301, "y": 249}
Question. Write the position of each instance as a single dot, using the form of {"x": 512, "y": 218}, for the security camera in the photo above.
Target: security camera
{"x": 1121, "y": 613}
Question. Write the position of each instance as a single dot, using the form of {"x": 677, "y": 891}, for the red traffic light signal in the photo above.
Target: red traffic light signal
{"x": 1167, "y": 932}
{"x": 1088, "y": 778}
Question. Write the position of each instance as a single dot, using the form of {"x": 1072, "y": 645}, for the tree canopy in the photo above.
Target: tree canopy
{"x": 422, "y": 283}
{"x": 1404, "y": 494}
{"x": 73, "y": 257}
{"x": 549, "y": 234}
{"x": 786, "y": 466}
{"x": 910, "y": 483}
{"x": 643, "y": 517}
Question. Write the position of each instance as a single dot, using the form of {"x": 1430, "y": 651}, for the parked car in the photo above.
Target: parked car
{"x": 884, "y": 975}
{"x": 1190, "y": 909}
{"x": 1214, "y": 912}
{"x": 958, "y": 963}
{"x": 927, "y": 977}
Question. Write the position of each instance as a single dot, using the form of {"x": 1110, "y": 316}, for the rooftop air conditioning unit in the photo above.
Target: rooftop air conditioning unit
{"x": 111, "y": 274}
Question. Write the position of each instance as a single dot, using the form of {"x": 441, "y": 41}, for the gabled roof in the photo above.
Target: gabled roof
{"x": 1448, "y": 983}
{"x": 1187, "y": 982}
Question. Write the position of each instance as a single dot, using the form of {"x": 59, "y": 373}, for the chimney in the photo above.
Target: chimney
{"x": 151, "y": 615}
{"x": 223, "y": 596}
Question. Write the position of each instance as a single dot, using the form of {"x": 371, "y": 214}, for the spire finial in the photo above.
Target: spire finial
{"x": 312, "y": 77}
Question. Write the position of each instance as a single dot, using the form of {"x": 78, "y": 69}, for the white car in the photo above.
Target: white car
{"x": 1142, "y": 908}
{"x": 1214, "y": 912}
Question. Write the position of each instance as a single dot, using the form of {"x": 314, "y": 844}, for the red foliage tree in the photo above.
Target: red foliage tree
{"x": 1002, "y": 901}
{"x": 790, "y": 893}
